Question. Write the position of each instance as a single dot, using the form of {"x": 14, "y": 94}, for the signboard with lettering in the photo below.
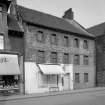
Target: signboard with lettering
{"x": 9, "y": 64}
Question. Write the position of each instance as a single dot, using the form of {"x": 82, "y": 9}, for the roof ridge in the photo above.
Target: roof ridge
{"x": 96, "y": 25}
{"x": 44, "y": 13}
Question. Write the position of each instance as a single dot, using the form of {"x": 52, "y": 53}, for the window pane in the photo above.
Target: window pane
{"x": 66, "y": 58}
{"x": 53, "y": 39}
{"x": 85, "y": 77}
{"x": 85, "y": 44}
{"x": 53, "y": 57}
{"x": 66, "y": 41}
{"x": 76, "y": 43}
{"x": 41, "y": 57}
{"x": 76, "y": 59}
{"x": 77, "y": 78}
{"x": 40, "y": 36}
{"x": 86, "y": 60}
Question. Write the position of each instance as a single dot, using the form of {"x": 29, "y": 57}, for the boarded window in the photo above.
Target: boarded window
{"x": 53, "y": 58}
{"x": 66, "y": 41}
{"x": 85, "y": 77}
{"x": 66, "y": 58}
{"x": 77, "y": 78}
{"x": 76, "y": 59}
{"x": 41, "y": 57}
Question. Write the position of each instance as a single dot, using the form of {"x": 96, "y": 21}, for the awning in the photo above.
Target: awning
{"x": 9, "y": 64}
{"x": 51, "y": 69}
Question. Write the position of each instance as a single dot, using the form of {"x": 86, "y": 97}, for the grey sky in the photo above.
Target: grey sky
{"x": 86, "y": 12}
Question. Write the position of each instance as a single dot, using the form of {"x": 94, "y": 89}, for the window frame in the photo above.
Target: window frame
{"x": 53, "y": 57}
{"x": 40, "y": 38}
{"x": 85, "y": 44}
{"x": 86, "y": 60}
{"x": 86, "y": 77}
{"x": 41, "y": 56}
{"x": 66, "y": 41}
{"x": 77, "y": 77}
{"x": 66, "y": 58}
{"x": 76, "y": 43}
{"x": 76, "y": 60}
{"x": 53, "y": 39}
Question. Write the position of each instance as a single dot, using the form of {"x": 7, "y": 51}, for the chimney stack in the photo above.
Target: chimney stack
{"x": 69, "y": 14}
{"x": 13, "y": 7}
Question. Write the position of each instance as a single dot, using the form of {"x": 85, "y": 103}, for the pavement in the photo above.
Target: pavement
{"x": 90, "y": 96}
{"x": 20, "y": 96}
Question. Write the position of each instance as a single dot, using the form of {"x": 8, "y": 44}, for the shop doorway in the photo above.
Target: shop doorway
{"x": 67, "y": 81}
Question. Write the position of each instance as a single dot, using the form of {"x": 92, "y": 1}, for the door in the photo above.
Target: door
{"x": 67, "y": 81}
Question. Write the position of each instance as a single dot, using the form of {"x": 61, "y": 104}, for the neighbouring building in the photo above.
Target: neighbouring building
{"x": 11, "y": 61}
{"x": 99, "y": 32}
{"x": 58, "y": 53}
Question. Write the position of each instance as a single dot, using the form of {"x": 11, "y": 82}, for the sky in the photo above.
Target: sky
{"x": 86, "y": 12}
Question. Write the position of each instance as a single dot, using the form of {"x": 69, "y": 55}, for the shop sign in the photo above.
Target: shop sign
{"x": 4, "y": 60}
{"x": 7, "y": 58}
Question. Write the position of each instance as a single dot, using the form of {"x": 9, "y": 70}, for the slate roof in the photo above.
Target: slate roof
{"x": 43, "y": 19}
{"x": 13, "y": 23}
{"x": 97, "y": 30}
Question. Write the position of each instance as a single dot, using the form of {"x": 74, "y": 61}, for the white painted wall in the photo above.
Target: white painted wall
{"x": 31, "y": 79}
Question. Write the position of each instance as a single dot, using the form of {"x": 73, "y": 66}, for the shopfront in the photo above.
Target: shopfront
{"x": 9, "y": 74}
{"x": 41, "y": 78}
{"x": 51, "y": 76}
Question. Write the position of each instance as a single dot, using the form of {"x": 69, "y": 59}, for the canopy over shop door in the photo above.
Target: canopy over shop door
{"x": 9, "y": 64}
{"x": 51, "y": 69}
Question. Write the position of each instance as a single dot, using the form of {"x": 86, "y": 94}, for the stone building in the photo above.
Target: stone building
{"x": 99, "y": 32}
{"x": 58, "y": 53}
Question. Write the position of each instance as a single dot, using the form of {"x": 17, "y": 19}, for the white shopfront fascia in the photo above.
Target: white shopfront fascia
{"x": 49, "y": 69}
{"x": 9, "y": 64}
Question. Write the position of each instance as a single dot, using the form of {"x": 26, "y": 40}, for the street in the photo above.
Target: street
{"x": 80, "y": 98}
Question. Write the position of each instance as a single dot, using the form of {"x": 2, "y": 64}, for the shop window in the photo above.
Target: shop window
{"x": 66, "y": 58}
{"x": 66, "y": 41}
{"x": 47, "y": 80}
{"x": 1, "y": 42}
{"x": 41, "y": 57}
{"x": 76, "y": 59}
{"x": 85, "y": 77}
{"x": 85, "y": 44}
{"x": 53, "y": 39}
{"x": 53, "y": 57}
{"x": 86, "y": 60}
{"x": 40, "y": 36}
{"x": 9, "y": 82}
{"x": 76, "y": 43}
{"x": 77, "y": 78}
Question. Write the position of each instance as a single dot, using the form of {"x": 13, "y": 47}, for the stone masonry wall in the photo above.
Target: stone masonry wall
{"x": 31, "y": 46}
